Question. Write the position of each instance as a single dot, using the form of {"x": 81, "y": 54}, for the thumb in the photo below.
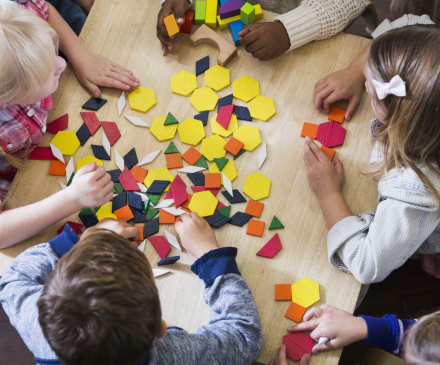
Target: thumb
{"x": 338, "y": 164}
{"x": 352, "y": 105}
{"x": 305, "y": 360}
{"x": 86, "y": 169}
{"x": 179, "y": 12}
{"x": 94, "y": 89}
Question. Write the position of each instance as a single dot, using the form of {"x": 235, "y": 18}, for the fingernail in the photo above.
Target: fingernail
{"x": 180, "y": 20}
{"x": 289, "y": 328}
{"x": 136, "y": 80}
{"x": 308, "y": 139}
{"x": 348, "y": 118}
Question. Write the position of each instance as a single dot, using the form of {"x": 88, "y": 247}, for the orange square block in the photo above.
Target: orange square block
{"x": 171, "y": 25}
{"x": 255, "y": 228}
{"x": 234, "y": 146}
{"x": 57, "y": 168}
{"x": 174, "y": 160}
{"x": 124, "y": 213}
{"x": 337, "y": 114}
{"x": 191, "y": 156}
{"x": 254, "y": 208}
{"x": 165, "y": 217}
{"x": 295, "y": 312}
{"x": 213, "y": 180}
{"x": 139, "y": 173}
{"x": 141, "y": 232}
{"x": 283, "y": 292}
{"x": 309, "y": 130}
{"x": 328, "y": 152}
{"x": 186, "y": 204}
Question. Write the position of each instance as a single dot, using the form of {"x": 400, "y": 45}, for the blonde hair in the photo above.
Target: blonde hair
{"x": 26, "y": 56}
{"x": 410, "y": 135}
{"x": 421, "y": 343}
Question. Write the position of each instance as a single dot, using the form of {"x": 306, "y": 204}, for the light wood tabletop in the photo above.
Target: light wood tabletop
{"x": 125, "y": 32}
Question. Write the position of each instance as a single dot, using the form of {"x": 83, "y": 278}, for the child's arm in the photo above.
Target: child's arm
{"x": 233, "y": 334}
{"x": 90, "y": 187}
{"x": 312, "y": 20}
{"x": 91, "y": 69}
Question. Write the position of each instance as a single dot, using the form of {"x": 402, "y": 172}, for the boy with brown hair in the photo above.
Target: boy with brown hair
{"x": 96, "y": 302}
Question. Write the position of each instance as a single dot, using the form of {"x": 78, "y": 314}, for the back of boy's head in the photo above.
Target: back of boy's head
{"x": 410, "y": 136}
{"x": 27, "y": 55}
{"x": 422, "y": 342}
{"x": 100, "y": 305}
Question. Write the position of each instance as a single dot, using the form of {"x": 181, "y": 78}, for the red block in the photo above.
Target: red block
{"x": 220, "y": 205}
{"x": 324, "y": 132}
{"x": 42, "y": 153}
{"x": 58, "y": 124}
{"x": 224, "y": 115}
{"x": 198, "y": 189}
{"x": 213, "y": 191}
{"x": 127, "y": 181}
{"x": 179, "y": 191}
{"x": 297, "y": 345}
{"x": 271, "y": 247}
{"x": 91, "y": 121}
{"x": 161, "y": 245}
{"x": 337, "y": 136}
{"x": 75, "y": 226}
{"x": 169, "y": 194}
{"x": 186, "y": 27}
{"x": 111, "y": 131}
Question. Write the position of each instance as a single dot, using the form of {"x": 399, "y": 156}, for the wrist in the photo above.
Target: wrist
{"x": 205, "y": 250}
{"x": 360, "y": 328}
{"x": 75, "y": 52}
{"x": 72, "y": 200}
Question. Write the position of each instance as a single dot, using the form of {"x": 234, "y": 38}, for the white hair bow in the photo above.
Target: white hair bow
{"x": 396, "y": 87}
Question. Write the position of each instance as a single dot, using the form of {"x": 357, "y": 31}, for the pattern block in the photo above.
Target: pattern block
{"x": 271, "y": 248}
{"x": 297, "y": 345}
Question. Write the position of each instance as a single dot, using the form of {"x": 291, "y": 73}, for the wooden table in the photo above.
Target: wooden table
{"x": 125, "y": 31}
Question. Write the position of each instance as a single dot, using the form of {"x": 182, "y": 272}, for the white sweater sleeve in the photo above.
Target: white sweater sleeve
{"x": 319, "y": 19}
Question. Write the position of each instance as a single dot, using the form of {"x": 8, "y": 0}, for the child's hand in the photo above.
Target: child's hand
{"x": 282, "y": 360}
{"x": 340, "y": 326}
{"x": 345, "y": 84}
{"x": 91, "y": 186}
{"x": 94, "y": 70}
{"x": 265, "y": 41}
{"x": 120, "y": 227}
{"x": 196, "y": 234}
{"x": 325, "y": 177}
{"x": 176, "y": 7}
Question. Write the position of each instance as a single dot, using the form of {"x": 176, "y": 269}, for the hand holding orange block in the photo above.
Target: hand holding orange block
{"x": 171, "y": 25}
{"x": 337, "y": 114}
{"x": 328, "y": 152}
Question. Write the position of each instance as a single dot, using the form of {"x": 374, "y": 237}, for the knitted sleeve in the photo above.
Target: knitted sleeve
{"x": 319, "y": 19}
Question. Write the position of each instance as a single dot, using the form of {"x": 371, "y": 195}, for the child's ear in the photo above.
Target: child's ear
{"x": 162, "y": 329}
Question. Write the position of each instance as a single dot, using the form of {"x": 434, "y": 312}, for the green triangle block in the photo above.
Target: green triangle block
{"x": 171, "y": 148}
{"x": 170, "y": 120}
{"x": 201, "y": 162}
{"x": 114, "y": 190}
{"x": 131, "y": 222}
{"x": 145, "y": 205}
{"x": 275, "y": 224}
{"x": 71, "y": 178}
{"x": 239, "y": 153}
{"x": 151, "y": 213}
{"x": 154, "y": 198}
{"x": 221, "y": 162}
{"x": 119, "y": 188}
{"x": 226, "y": 211}
{"x": 86, "y": 211}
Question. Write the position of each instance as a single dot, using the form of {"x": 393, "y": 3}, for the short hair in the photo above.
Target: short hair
{"x": 100, "y": 304}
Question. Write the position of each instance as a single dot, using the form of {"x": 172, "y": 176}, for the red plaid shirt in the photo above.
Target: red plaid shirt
{"x": 22, "y": 127}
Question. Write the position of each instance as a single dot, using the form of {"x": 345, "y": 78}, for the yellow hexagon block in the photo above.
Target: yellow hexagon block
{"x": 86, "y": 160}
{"x": 248, "y": 135}
{"x": 217, "y": 77}
{"x": 305, "y": 292}
{"x": 142, "y": 99}
{"x": 183, "y": 83}
{"x": 161, "y": 173}
{"x": 204, "y": 99}
{"x": 163, "y": 132}
{"x": 66, "y": 142}
{"x": 203, "y": 203}
{"x": 245, "y": 89}
{"x": 256, "y": 186}
{"x": 262, "y": 108}
{"x": 213, "y": 147}
{"x": 191, "y": 131}
{"x": 229, "y": 170}
{"x": 216, "y": 128}
{"x": 105, "y": 212}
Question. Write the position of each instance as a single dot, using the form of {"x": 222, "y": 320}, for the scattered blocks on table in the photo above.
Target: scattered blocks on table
{"x": 239, "y": 219}
{"x": 161, "y": 173}
{"x": 297, "y": 345}
{"x": 187, "y": 26}
{"x": 67, "y": 142}
{"x": 91, "y": 121}
{"x": 262, "y": 108}
{"x": 328, "y": 152}
{"x": 142, "y": 99}
{"x": 217, "y": 77}
{"x": 118, "y": 186}
{"x": 89, "y": 220}
{"x": 216, "y": 128}
{"x": 127, "y": 181}
{"x": 213, "y": 181}
{"x": 114, "y": 174}
{"x": 247, "y": 13}
{"x": 58, "y": 124}
{"x": 57, "y": 168}
{"x": 171, "y": 25}
{"x": 233, "y": 146}
{"x": 105, "y": 211}
{"x": 130, "y": 159}
{"x": 226, "y": 211}
{"x": 178, "y": 187}
{"x": 162, "y": 132}
{"x": 86, "y": 160}
{"x": 305, "y": 292}
{"x": 199, "y": 17}
{"x": 275, "y": 224}
{"x": 171, "y": 148}
{"x": 249, "y": 136}
{"x": 213, "y": 147}
{"x": 224, "y": 115}
{"x": 271, "y": 248}
{"x": 138, "y": 122}
{"x": 224, "y": 23}
{"x": 42, "y": 153}
{"x": 139, "y": 217}
{"x": 211, "y": 13}
{"x": 236, "y": 27}
{"x": 203, "y": 203}
{"x": 174, "y": 160}
{"x": 94, "y": 103}
{"x": 99, "y": 152}
{"x": 203, "y": 117}
{"x": 243, "y": 113}
{"x": 230, "y": 8}
{"x": 201, "y": 162}
{"x": 245, "y": 89}
{"x": 255, "y": 228}
{"x": 295, "y": 312}
{"x": 258, "y": 12}
{"x": 124, "y": 213}
{"x": 134, "y": 200}
{"x": 150, "y": 215}
{"x": 218, "y": 220}
{"x": 221, "y": 162}
{"x": 202, "y": 65}
{"x": 229, "y": 170}
{"x": 254, "y": 208}
{"x": 158, "y": 186}
{"x": 237, "y": 198}
{"x": 337, "y": 114}
{"x": 111, "y": 131}
{"x": 121, "y": 103}
{"x": 204, "y": 99}
{"x": 57, "y": 153}
{"x": 197, "y": 178}
{"x": 309, "y": 130}
{"x": 191, "y": 131}
{"x": 151, "y": 227}
{"x": 165, "y": 217}
{"x": 159, "y": 243}
{"x": 330, "y": 134}
{"x": 139, "y": 173}
{"x": 283, "y": 292}
{"x": 83, "y": 134}
{"x": 171, "y": 120}
{"x": 192, "y": 156}
{"x": 119, "y": 201}
{"x": 168, "y": 260}
{"x": 225, "y": 100}
{"x": 183, "y": 83}
{"x": 256, "y": 186}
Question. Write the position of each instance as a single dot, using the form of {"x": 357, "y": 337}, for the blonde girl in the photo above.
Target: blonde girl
{"x": 402, "y": 71}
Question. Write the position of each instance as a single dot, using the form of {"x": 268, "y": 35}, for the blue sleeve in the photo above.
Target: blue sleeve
{"x": 64, "y": 242}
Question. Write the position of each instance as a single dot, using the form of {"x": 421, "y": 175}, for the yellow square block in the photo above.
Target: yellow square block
{"x": 211, "y": 13}
{"x": 305, "y": 292}
{"x": 258, "y": 11}
{"x": 224, "y": 23}
{"x": 213, "y": 147}
{"x": 216, "y": 128}
{"x": 86, "y": 160}
{"x": 105, "y": 212}
{"x": 161, "y": 173}
{"x": 229, "y": 170}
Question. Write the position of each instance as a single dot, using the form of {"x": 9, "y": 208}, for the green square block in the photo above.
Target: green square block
{"x": 247, "y": 13}
{"x": 199, "y": 17}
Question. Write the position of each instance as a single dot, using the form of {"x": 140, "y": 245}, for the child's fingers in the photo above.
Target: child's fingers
{"x": 130, "y": 233}
{"x": 309, "y": 156}
{"x": 305, "y": 360}
{"x": 306, "y": 161}
{"x": 272, "y": 362}
{"x": 94, "y": 89}
{"x": 338, "y": 164}
{"x": 321, "y": 95}
{"x": 122, "y": 71}
{"x": 123, "y": 78}
{"x": 109, "y": 188}
{"x": 326, "y": 347}
{"x": 353, "y": 102}
{"x": 86, "y": 169}
{"x": 185, "y": 217}
{"x": 314, "y": 312}
{"x": 304, "y": 326}
{"x": 179, "y": 11}
{"x": 320, "y": 85}
{"x": 330, "y": 99}
{"x": 249, "y": 38}
{"x": 320, "y": 155}
{"x": 260, "y": 53}
{"x": 246, "y": 30}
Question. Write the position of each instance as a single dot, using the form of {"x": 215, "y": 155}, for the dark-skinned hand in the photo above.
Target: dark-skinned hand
{"x": 176, "y": 7}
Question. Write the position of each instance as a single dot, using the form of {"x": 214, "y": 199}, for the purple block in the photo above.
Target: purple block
{"x": 230, "y": 8}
